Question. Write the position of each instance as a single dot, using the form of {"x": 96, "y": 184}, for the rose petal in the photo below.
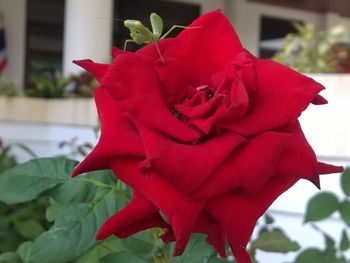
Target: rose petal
{"x": 236, "y": 108}
{"x": 186, "y": 166}
{"x": 325, "y": 168}
{"x": 116, "y": 130}
{"x": 238, "y": 214}
{"x": 125, "y": 82}
{"x": 215, "y": 235}
{"x": 204, "y": 225}
{"x": 300, "y": 161}
{"x": 281, "y": 96}
{"x": 136, "y": 210}
{"x": 96, "y": 69}
{"x": 319, "y": 100}
{"x": 182, "y": 214}
{"x": 298, "y": 158}
{"x": 116, "y": 52}
{"x": 250, "y": 167}
{"x": 199, "y": 51}
{"x": 156, "y": 115}
{"x": 152, "y": 221}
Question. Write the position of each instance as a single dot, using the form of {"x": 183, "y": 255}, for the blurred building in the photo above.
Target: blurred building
{"x": 49, "y": 34}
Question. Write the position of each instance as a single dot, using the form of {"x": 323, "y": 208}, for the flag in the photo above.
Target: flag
{"x": 3, "y": 58}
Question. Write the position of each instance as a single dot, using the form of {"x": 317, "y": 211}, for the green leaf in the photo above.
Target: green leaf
{"x": 330, "y": 244}
{"x": 124, "y": 257}
{"x": 53, "y": 210}
{"x": 27, "y": 181}
{"x": 344, "y": 243}
{"x": 321, "y": 206}
{"x": 9, "y": 239}
{"x": 74, "y": 230}
{"x": 29, "y": 228}
{"x": 274, "y": 241}
{"x": 216, "y": 259}
{"x": 345, "y": 181}
{"x": 197, "y": 251}
{"x": 107, "y": 247}
{"x": 344, "y": 210}
{"x": 310, "y": 255}
{"x": 142, "y": 243}
{"x": 10, "y": 257}
{"x": 82, "y": 189}
{"x": 92, "y": 256}
{"x": 24, "y": 250}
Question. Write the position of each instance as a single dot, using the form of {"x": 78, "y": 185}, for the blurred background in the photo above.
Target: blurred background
{"x": 46, "y": 107}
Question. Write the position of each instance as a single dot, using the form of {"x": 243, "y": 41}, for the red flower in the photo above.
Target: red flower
{"x": 209, "y": 137}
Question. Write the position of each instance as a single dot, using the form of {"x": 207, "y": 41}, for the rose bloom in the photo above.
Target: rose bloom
{"x": 203, "y": 132}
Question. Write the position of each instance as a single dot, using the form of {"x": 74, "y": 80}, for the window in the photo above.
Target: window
{"x": 44, "y": 44}
{"x": 272, "y": 32}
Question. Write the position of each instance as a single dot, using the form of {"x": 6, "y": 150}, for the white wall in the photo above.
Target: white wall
{"x": 44, "y": 139}
{"x": 87, "y": 32}
{"x": 15, "y": 29}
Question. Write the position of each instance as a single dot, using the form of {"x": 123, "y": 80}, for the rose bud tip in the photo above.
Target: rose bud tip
{"x": 178, "y": 250}
{"x": 316, "y": 181}
{"x": 102, "y": 234}
{"x": 74, "y": 173}
{"x": 223, "y": 254}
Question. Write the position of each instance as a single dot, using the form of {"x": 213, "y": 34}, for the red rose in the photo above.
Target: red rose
{"x": 209, "y": 136}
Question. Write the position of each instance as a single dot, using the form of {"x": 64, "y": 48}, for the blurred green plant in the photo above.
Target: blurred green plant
{"x": 48, "y": 85}
{"x": 8, "y": 158}
{"x": 311, "y": 50}
{"x": 19, "y": 222}
{"x": 272, "y": 239}
{"x": 8, "y": 88}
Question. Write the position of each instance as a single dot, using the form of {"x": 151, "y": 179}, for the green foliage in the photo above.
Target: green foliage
{"x": 310, "y": 49}
{"x": 345, "y": 182}
{"x": 321, "y": 206}
{"x": 344, "y": 210}
{"x": 123, "y": 256}
{"x": 311, "y": 255}
{"x": 75, "y": 209}
{"x": 274, "y": 240}
{"x": 27, "y": 181}
{"x": 8, "y": 88}
{"x": 326, "y": 255}
{"x": 271, "y": 239}
{"x": 10, "y": 257}
{"x": 7, "y": 159}
{"x": 344, "y": 243}
{"x": 47, "y": 85}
